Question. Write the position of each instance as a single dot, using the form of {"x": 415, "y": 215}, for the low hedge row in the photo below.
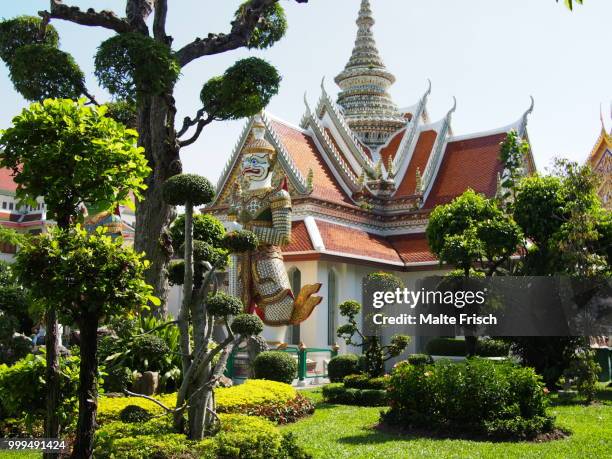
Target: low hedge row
{"x": 364, "y": 382}
{"x": 340, "y": 394}
{"x": 478, "y": 396}
{"x": 241, "y": 437}
{"x": 454, "y": 347}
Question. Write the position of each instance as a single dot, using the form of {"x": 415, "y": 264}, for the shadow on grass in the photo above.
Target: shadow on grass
{"x": 382, "y": 434}
{"x": 603, "y": 396}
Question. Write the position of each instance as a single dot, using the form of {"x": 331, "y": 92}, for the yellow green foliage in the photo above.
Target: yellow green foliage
{"x": 230, "y": 399}
{"x": 240, "y": 437}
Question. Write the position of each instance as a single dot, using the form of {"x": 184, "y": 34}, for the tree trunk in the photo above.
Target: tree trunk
{"x": 470, "y": 345}
{"x": 153, "y": 215}
{"x": 88, "y": 389}
{"x": 52, "y": 374}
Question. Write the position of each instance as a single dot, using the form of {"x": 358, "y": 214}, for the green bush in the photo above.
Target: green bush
{"x": 23, "y": 392}
{"x": 365, "y": 382}
{"x": 135, "y": 414}
{"x": 420, "y": 359}
{"x": 582, "y": 374}
{"x": 455, "y": 347}
{"x": 275, "y": 366}
{"x": 149, "y": 353}
{"x": 341, "y": 366}
{"x": 478, "y": 396}
{"x": 240, "y": 437}
{"x": 275, "y": 401}
{"x": 118, "y": 378}
{"x": 492, "y": 348}
{"x": 338, "y": 393}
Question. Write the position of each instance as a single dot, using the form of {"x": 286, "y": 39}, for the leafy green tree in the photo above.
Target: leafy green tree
{"x": 71, "y": 155}
{"x": 203, "y": 306}
{"x": 85, "y": 277}
{"x": 570, "y": 234}
{"x": 472, "y": 233}
{"x": 139, "y": 67}
{"x": 562, "y": 217}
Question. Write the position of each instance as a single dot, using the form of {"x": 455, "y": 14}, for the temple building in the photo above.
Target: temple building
{"x": 33, "y": 219}
{"x": 600, "y": 160}
{"x": 363, "y": 175}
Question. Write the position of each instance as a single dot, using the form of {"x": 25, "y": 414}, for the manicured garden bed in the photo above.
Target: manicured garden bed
{"x": 342, "y": 431}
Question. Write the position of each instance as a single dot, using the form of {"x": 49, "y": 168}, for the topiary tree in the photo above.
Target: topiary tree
{"x": 139, "y": 65}
{"x": 85, "y": 277}
{"x": 96, "y": 162}
{"x": 203, "y": 306}
{"x": 375, "y": 353}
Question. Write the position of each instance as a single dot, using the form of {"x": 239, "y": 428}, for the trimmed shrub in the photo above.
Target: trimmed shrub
{"x": 275, "y": 366}
{"x": 420, "y": 359}
{"x": 240, "y": 437}
{"x": 492, "y": 348}
{"x": 149, "y": 353}
{"x": 247, "y": 325}
{"x": 341, "y": 366}
{"x": 134, "y": 414}
{"x": 455, "y": 347}
{"x": 273, "y": 400}
{"x": 365, "y": 382}
{"x": 338, "y": 393}
{"x": 479, "y": 397}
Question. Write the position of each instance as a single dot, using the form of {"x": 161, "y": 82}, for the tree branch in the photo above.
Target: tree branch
{"x": 157, "y": 402}
{"x": 159, "y": 22}
{"x": 242, "y": 29}
{"x": 201, "y": 124}
{"x": 106, "y": 19}
{"x": 188, "y": 122}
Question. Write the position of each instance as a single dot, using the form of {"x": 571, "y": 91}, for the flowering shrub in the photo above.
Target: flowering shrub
{"x": 477, "y": 397}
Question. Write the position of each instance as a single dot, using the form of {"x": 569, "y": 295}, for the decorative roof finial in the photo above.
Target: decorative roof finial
{"x": 419, "y": 182}
{"x": 368, "y": 107}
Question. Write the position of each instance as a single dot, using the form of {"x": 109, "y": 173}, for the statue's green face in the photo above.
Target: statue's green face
{"x": 255, "y": 167}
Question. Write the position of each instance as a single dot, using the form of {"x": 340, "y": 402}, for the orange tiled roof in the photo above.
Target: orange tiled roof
{"x": 391, "y": 149}
{"x": 354, "y": 241}
{"x": 412, "y": 248}
{"x": 6, "y": 180}
{"x": 305, "y": 155}
{"x": 300, "y": 240}
{"x": 472, "y": 163}
{"x": 419, "y": 159}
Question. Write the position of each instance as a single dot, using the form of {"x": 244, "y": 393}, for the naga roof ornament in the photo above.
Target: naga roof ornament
{"x": 367, "y": 106}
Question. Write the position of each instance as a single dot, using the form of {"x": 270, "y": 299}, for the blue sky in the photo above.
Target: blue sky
{"x": 491, "y": 54}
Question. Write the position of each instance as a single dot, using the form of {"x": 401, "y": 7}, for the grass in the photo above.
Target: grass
{"x": 337, "y": 431}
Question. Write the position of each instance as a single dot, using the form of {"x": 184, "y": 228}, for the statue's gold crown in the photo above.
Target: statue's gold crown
{"x": 257, "y": 144}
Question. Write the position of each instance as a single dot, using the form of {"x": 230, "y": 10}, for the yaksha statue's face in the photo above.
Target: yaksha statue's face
{"x": 256, "y": 167}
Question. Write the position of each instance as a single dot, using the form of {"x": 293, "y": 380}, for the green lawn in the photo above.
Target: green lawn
{"x": 337, "y": 431}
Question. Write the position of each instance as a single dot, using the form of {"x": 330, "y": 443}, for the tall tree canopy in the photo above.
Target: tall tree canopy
{"x": 139, "y": 67}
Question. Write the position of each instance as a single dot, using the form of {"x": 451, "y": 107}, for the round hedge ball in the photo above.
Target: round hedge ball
{"x": 224, "y": 305}
{"x": 188, "y": 188}
{"x": 247, "y": 325}
{"x": 240, "y": 241}
{"x": 341, "y": 366}
{"x": 275, "y": 366}
{"x": 134, "y": 414}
